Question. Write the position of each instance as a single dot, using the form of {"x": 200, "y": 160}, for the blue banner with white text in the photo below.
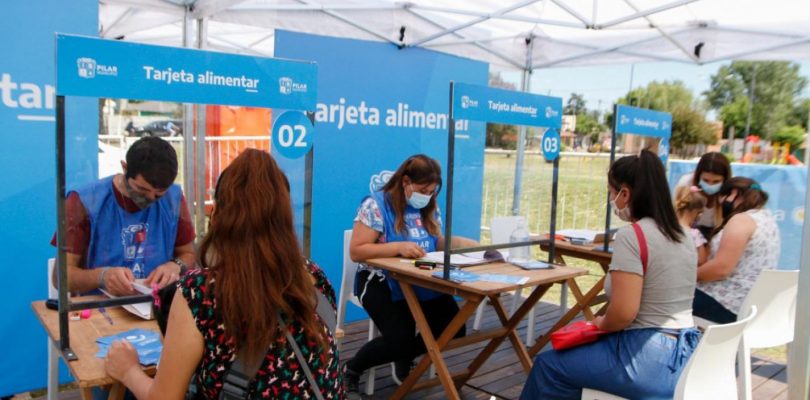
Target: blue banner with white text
{"x": 786, "y": 187}
{"x": 482, "y": 103}
{"x": 644, "y": 122}
{"x": 116, "y": 69}
{"x": 378, "y": 105}
{"x": 28, "y": 162}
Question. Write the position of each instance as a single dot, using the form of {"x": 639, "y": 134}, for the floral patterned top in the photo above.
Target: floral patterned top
{"x": 761, "y": 252}
{"x": 280, "y": 375}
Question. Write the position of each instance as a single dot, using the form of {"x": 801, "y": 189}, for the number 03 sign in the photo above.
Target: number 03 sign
{"x": 551, "y": 144}
{"x": 292, "y": 134}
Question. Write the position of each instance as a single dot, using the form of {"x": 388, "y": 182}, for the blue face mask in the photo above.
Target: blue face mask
{"x": 418, "y": 200}
{"x": 710, "y": 190}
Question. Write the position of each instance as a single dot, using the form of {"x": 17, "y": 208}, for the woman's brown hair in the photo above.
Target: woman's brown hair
{"x": 422, "y": 170}
{"x": 748, "y": 190}
{"x": 251, "y": 251}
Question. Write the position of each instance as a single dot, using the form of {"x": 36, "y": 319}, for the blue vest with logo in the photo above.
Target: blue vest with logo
{"x": 141, "y": 240}
{"x": 414, "y": 232}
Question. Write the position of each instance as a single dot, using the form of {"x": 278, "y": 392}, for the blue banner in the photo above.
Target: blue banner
{"x": 378, "y": 105}
{"x": 482, "y": 103}
{"x": 786, "y": 187}
{"x": 28, "y": 162}
{"x": 640, "y": 121}
{"x": 116, "y": 69}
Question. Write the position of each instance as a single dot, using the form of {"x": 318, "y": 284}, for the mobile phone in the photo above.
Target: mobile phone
{"x": 425, "y": 264}
{"x": 52, "y": 304}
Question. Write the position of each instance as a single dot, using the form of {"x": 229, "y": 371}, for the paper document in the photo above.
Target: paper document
{"x": 456, "y": 259}
{"x": 142, "y": 310}
{"x": 146, "y": 343}
{"x": 531, "y": 264}
{"x": 583, "y": 236}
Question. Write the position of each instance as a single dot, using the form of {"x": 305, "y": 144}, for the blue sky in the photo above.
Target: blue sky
{"x": 601, "y": 85}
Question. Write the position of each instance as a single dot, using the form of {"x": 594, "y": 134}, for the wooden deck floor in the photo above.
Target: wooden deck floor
{"x": 502, "y": 377}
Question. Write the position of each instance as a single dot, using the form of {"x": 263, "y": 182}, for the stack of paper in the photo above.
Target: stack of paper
{"x": 142, "y": 310}
{"x": 147, "y": 344}
{"x": 456, "y": 259}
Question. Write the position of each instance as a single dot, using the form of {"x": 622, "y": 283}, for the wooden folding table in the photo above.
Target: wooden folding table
{"x": 591, "y": 252}
{"x": 473, "y": 293}
{"x": 88, "y": 370}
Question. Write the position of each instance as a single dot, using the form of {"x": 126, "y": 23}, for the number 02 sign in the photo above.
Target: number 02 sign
{"x": 292, "y": 134}
{"x": 551, "y": 145}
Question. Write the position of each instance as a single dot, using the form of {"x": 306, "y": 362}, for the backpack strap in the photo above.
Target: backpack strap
{"x": 642, "y": 246}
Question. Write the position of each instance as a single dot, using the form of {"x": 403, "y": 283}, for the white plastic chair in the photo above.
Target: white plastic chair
{"x": 709, "y": 373}
{"x": 347, "y": 295}
{"x": 774, "y": 296}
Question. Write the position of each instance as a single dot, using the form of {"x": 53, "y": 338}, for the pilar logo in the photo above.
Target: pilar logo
{"x": 285, "y": 85}
{"x": 87, "y": 67}
{"x": 467, "y": 102}
{"x": 550, "y": 112}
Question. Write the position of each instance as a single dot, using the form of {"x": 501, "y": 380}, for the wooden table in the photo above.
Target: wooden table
{"x": 88, "y": 370}
{"x": 590, "y": 252}
{"x": 473, "y": 293}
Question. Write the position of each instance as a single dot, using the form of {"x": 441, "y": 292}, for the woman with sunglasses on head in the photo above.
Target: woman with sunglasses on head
{"x": 401, "y": 220}
{"x": 746, "y": 243}
{"x": 252, "y": 306}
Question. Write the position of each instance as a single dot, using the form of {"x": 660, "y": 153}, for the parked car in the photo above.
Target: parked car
{"x": 166, "y": 128}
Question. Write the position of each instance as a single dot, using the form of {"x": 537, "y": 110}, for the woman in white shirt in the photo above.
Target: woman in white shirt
{"x": 746, "y": 243}
{"x": 711, "y": 172}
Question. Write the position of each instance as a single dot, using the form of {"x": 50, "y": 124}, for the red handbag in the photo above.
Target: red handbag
{"x": 582, "y": 332}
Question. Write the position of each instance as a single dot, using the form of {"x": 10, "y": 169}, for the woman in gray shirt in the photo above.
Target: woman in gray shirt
{"x": 650, "y": 310}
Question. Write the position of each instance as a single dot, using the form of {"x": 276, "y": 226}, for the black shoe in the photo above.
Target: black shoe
{"x": 352, "y": 381}
{"x": 400, "y": 370}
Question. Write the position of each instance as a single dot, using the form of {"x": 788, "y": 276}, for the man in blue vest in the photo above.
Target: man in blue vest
{"x": 129, "y": 226}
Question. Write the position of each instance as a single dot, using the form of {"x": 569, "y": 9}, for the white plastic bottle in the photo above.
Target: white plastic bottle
{"x": 520, "y": 234}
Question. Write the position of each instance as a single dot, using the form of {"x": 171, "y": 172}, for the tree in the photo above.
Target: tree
{"x": 689, "y": 125}
{"x": 575, "y": 105}
{"x": 498, "y": 135}
{"x": 776, "y": 86}
{"x": 588, "y": 125}
{"x": 792, "y": 135}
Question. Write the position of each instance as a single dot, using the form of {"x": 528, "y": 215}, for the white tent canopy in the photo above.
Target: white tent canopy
{"x": 560, "y": 32}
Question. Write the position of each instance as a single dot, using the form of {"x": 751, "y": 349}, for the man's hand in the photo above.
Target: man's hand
{"x": 410, "y": 250}
{"x": 163, "y": 275}
{"x": 118, "y": 281}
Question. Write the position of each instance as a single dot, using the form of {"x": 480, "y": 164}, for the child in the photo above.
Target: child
{"x": 689, "y": 205}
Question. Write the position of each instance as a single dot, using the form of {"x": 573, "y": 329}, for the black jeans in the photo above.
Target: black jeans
{"x": 706, "y": 307}
{"x": 399, "y": 341}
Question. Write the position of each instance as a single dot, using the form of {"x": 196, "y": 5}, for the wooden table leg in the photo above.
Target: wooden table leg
{"x": 434, "y": 348}
{"x": 117, "y": 391}
{"x": 510, "y": 326}
{"x": 570, "y": 315}
{"x": 87, "y": 393}
{"x": 520, "y": 349}
{"x": 577, "y": 292}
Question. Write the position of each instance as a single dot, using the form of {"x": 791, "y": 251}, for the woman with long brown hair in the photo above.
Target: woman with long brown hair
{"x": 746, "y": 243}
{"x": 401, "y": 220}
{"x": 253, "y": 288}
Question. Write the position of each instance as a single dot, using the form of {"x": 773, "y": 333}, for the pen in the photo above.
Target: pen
{"x": 103, "y": 312}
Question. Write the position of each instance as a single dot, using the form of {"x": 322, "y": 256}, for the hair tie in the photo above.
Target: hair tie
{"x": 694, "y": 189}
{"x": 755, "y": 186}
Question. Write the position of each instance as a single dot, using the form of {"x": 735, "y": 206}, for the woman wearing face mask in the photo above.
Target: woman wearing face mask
{"x": 648, "y": 314}
{"x": 401, "y": 220}
{"x": 746, "y": 243}
{"x": 712, "y": 170}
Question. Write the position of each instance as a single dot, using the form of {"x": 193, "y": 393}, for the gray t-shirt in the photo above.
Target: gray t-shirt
{"x": 669, "y": 285}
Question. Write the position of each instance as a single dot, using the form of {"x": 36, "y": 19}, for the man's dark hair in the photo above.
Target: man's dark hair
{"x": 154, "y": 159}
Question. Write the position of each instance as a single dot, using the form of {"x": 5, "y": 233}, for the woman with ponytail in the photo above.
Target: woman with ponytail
{"x": 650, "y": 285}
{"x": 253, "y": 293}
{"x": 746, "y": 243}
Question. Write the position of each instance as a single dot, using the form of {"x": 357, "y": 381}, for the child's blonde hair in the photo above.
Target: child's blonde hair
{"x": 688, "y": 198}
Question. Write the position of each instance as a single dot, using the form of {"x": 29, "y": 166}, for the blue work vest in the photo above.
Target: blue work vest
{"x": 141, "y": 240}
{"x": 414, "y": 232}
